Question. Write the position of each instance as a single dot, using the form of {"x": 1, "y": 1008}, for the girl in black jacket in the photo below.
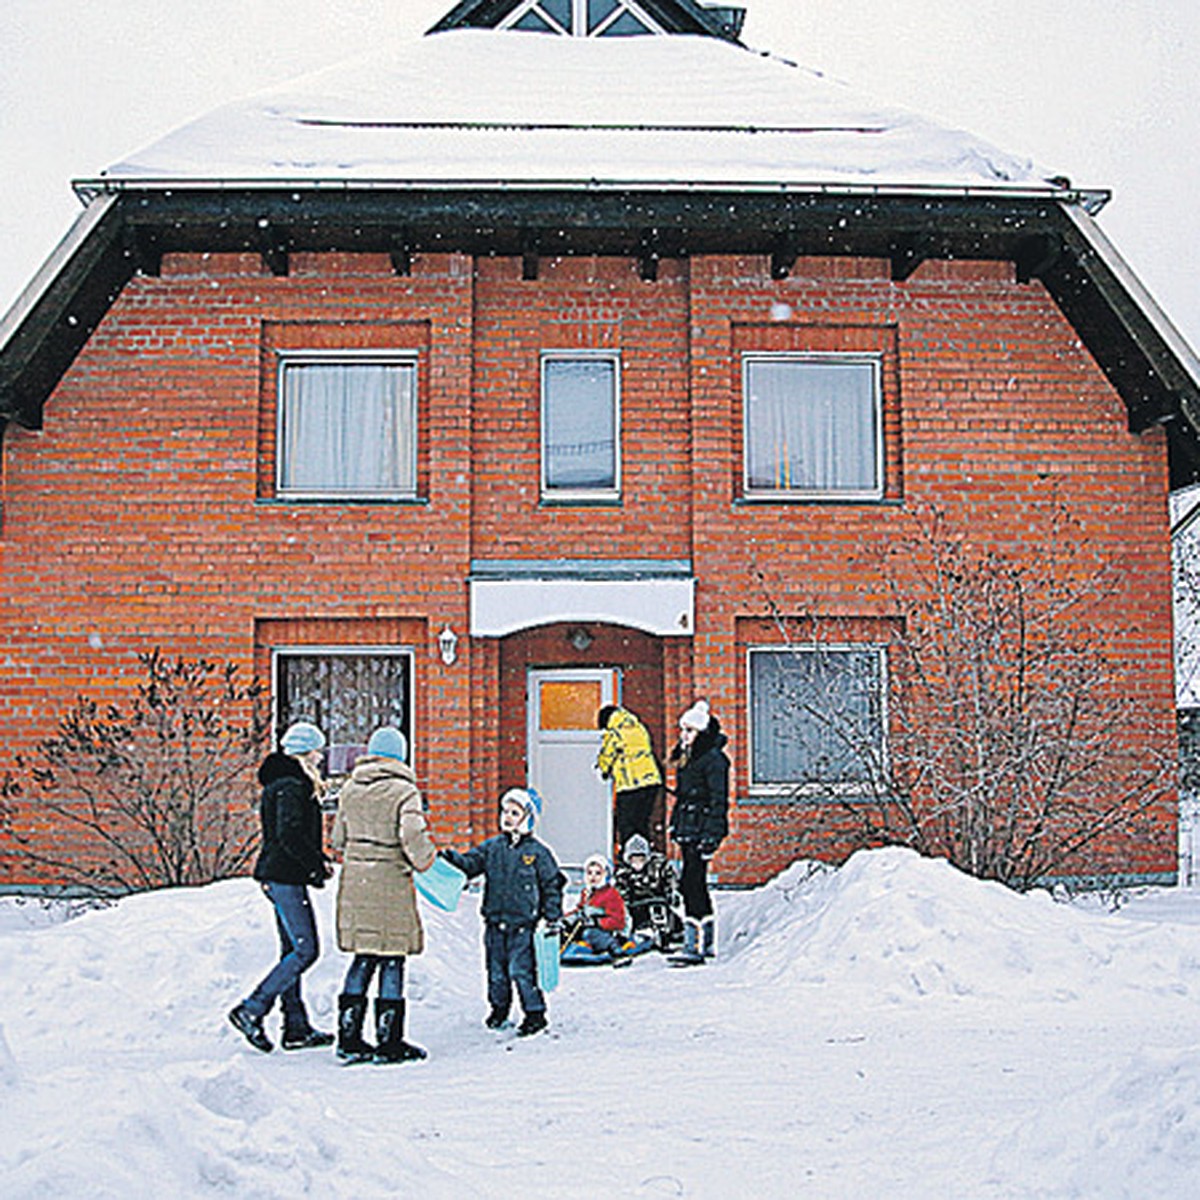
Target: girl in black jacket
{"x": 290, "y": 860}
{"x": 699, "y": 822}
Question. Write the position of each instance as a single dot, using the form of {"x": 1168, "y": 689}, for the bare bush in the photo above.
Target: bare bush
{"x": 1006, "y": 739}
{"x": 151, "y": 793}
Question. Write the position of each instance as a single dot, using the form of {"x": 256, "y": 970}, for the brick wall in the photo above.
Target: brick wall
{"x": 144, "y": 515}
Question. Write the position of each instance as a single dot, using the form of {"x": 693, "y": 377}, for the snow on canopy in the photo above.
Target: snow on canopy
{"x": 481, "y": 106}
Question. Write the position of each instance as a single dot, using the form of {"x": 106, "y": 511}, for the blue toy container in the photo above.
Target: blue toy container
{"x": 441, "y": 885}
{"x": 545, "y": 948}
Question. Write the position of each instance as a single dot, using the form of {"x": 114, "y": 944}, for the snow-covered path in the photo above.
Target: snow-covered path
{"x": 890, "y": 1029}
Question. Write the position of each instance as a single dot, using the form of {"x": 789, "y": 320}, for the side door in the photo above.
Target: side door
{"x": 563, "y": 742}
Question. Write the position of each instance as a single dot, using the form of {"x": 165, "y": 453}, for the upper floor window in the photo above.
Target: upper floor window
{"x": 347, "y": 425}
{"x": 582, "y": 18}
{"x": 580, "y": 426}
{"x": 813, "y": 426}
{"x": 816, "y": 718}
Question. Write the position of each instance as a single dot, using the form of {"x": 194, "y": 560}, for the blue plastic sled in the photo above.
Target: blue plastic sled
{"x": 579, "y": 954}
{"x": 545, "y": 949}
{"x": 441, "y": 885}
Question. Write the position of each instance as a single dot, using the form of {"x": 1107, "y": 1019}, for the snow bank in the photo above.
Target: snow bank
{"x": 897, "y": 927}
{"x": 890, "y": 1028}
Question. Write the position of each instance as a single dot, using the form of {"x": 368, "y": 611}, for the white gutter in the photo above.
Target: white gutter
{"x": 1090, "y": 199}
{"x": 81, "y": 229}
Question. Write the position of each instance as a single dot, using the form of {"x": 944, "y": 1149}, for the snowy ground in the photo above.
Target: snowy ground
{"x": 892, "y": 1029}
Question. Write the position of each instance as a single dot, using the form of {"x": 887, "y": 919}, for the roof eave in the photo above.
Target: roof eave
{"x": 1049, "y": 232}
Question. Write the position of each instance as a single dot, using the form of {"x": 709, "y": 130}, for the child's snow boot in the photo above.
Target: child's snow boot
{"x": 708, "y": 937}
{"x": 389, "y": 1034}
{"x": 534, "y": 1022}
{"x": 689, "y": 953}
{"x": 496, "y": 1018}
{"x": 350, "y": 1044}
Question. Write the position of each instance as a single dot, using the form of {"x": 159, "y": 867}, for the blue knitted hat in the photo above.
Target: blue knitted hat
{"x": 388, "y": 742}
{"x": 300, "y": 737}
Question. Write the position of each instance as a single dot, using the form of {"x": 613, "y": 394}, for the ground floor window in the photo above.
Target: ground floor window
{"x": 816, "y": 718}
{"x": 348, "y": 693}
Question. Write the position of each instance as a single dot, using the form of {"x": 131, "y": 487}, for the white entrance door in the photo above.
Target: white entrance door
{"x": 563, "y": 743}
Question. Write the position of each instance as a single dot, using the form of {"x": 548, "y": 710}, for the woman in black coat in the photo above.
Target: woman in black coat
{"x": 699, "y": 822}
{"x": 291, "y": 859}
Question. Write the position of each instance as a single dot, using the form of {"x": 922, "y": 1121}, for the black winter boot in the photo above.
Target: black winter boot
{"x": 250, "y": 1027}
{"x": 497, "y": 1017}
{"x": 534, "y": 1022}
{"x": 350, "y": 1044}
{"x": 298, "y": 1034}
{"x": 389, "y": 1034}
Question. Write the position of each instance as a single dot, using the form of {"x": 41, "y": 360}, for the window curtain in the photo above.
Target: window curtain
{"x": 579, "y": 424}
{"x": 813, "y": 715}
{"x": 348, "y": 427}
{"x": 348, "y": 696}
{"x": 810, "y": 426}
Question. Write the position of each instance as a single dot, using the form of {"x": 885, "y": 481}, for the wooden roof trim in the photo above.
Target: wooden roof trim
{"x": 1051, "y": 239}
{"x": 676, "y": 16}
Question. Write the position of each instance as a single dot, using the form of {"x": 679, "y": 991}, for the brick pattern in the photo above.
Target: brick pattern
{"x": 142, "y": 515}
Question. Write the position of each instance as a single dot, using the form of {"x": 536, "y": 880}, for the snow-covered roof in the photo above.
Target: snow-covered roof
{"x": 480, "y": 106}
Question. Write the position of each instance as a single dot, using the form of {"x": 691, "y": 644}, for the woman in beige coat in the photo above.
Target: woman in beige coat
{"x": 380, "y": 828}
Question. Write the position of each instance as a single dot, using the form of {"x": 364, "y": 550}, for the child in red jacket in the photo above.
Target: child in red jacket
{"x": 599, "y": 916}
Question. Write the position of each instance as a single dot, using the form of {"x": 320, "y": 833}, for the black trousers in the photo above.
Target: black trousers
{"x": 633, "y": 813}
{"x": 693, "y": 884}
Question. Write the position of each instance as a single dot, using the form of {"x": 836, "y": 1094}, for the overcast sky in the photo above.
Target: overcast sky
{"x": 1106, "y": 92}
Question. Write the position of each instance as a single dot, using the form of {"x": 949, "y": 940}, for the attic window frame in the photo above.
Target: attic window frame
{"x": 579, "y": 18}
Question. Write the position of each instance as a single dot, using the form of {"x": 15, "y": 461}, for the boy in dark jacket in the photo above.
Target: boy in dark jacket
{"x": 522, "y": 885}
{"x": 290, "y": 860}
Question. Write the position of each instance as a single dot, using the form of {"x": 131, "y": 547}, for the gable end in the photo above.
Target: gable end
{"x": 672, "y": 16}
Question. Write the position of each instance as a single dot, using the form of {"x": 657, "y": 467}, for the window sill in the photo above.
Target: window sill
{"x": 342, "y": 501}
{"x": 580, "y": 502}
{"x": 807, "y": 799}
{"x": 750, "y": 501}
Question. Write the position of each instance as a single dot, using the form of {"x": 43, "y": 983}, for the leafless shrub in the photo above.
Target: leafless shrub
{"x": 151, "y": 793}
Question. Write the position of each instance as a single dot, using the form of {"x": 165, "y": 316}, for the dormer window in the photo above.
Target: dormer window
{"x": 582, "y": 18}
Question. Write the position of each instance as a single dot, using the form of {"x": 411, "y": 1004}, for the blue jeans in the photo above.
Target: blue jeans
{"x": 391, "y": 975}
{"x": 510, "y": 960}
{"x": 603, "y": 941}
{"x": 298, "y": 950}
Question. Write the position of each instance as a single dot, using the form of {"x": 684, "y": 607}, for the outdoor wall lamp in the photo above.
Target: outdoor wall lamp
{"x": 448, "y": 645}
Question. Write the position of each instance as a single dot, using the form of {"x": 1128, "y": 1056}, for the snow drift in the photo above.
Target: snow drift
{"x": 890, "y": 1028}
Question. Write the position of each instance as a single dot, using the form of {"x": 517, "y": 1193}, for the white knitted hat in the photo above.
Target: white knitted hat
{"x": 697, "y": 717}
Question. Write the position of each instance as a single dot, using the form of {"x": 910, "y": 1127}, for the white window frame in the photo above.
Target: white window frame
{"x": 341, "y": 650}
{"x": 866, "y": 358}
{"x": 798, "y": 790}
{"x": 560, "y": 495}
{"x": 349, "y": 357}
{"x": 579, "y": 18}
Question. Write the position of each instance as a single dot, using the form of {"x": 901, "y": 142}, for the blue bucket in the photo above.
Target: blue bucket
{"x": 441, "y": 885}
{"x": 545, "y": 948}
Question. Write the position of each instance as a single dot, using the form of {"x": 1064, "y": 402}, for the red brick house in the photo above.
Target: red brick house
{"x": 471, "y": 386}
